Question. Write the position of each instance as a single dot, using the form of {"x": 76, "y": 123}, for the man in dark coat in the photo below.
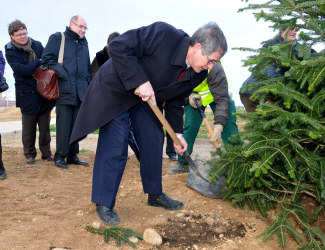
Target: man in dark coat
{"x": 102, "y": 56}
{"x": 74, "y": 79}
{"x": 152, "y": 58}
{"x": 23, "y": 55}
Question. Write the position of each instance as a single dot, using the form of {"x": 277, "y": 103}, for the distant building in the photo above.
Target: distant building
{"x": 6, "y": 103}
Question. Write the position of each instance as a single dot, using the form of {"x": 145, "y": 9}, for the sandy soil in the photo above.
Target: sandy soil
{"x": 43, "y": 207}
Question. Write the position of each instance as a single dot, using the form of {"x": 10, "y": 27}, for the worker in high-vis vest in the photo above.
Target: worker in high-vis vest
{"x": 213, "y": 91}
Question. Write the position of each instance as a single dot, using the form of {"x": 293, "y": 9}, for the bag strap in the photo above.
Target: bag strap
{"x": 61, "y": 52}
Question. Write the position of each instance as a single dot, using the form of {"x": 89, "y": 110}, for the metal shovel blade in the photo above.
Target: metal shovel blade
{"x": 198, "y": 180}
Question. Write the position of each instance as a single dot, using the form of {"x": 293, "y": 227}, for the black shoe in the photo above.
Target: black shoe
{"x": 49, "y": 158}
{"x": 77, "y": 161}
{"x": 178, "y": 168}
{"x": 164, "y": 201}
{"x": 173, "y": 158}
{"x": 107, "y": 215}
{"x": 3, "y": 174}
{"x": 30, "y": 160}
{"x": 61, "y": 164}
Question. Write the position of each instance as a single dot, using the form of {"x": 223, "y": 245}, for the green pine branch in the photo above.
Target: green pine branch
{"x": 120, "y": 234}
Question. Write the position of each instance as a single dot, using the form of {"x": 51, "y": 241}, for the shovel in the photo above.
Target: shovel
{"x": 196, "y": 180}
{"x": 206, "y": 122}
{"x": 193, "y": 181}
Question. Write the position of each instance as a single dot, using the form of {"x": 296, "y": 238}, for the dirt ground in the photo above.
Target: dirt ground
{"x": 44, "y": 207}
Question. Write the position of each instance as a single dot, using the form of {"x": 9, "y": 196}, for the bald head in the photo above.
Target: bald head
{"x": 78, "y": 25}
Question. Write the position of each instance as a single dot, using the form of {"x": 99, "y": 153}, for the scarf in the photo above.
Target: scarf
{"x": 27, "y": 48}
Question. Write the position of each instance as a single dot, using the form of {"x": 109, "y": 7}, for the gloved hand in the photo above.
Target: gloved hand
{"x": 217, "y": 130}
{"x": 198, "y": 99}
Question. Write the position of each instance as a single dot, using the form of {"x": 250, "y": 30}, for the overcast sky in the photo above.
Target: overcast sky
{"x": 103, "y": 17}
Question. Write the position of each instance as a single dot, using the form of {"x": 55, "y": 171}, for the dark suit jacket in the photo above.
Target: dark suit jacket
{"x": 154, "y": 53}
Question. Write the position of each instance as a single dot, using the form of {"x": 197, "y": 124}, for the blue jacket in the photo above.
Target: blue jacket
{"x": 271, "y": 72}
{"x": 27, "y": 98}
{"x": 74, "y": 74}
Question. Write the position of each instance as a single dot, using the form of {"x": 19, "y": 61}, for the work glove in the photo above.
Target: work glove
{"x": 198, "y": 99}
{"x": 217, "y": 130}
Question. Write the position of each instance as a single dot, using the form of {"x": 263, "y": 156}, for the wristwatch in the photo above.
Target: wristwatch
{"x": 180, "y": 136}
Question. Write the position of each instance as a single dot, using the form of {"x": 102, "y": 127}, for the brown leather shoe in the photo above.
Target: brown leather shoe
{"x": 49, "y": 158}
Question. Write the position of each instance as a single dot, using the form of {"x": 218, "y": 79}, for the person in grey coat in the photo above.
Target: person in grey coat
{"x": 74, "y": 79}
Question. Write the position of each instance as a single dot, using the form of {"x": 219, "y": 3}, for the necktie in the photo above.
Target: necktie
{"x": 183, "y": 73}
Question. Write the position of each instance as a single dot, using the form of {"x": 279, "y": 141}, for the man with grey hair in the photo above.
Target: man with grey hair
{"x": 74, "y": 79}
{"x": 165, "y": 64}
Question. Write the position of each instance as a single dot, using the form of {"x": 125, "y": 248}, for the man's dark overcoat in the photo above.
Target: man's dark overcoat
{"x": 74, "y": 74}
{"x": 154, "y": 53}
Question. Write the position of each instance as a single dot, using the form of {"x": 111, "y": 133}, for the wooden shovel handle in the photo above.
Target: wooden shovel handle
{"x": 162, "y": 119}
{"x": 205, "y": 120}
{"x": 210, "y": 131}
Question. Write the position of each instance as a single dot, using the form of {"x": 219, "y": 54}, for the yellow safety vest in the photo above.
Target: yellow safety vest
{"x": 203, "y": 90}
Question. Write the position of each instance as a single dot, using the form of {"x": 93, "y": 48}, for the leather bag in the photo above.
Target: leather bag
{"x": 3, "y": 85}
{"x": 47, "y": 79}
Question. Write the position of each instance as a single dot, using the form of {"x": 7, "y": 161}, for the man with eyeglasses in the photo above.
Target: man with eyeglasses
{"x": 74, "y": 79}
{"x": 165, "y": 64}
{"x": 23, "y": 54}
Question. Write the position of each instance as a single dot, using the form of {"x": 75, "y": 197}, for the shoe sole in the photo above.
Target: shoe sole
{"x": 60, "y": 166}
{"x": 78, "y": 164}
{"x": 114, "y": 223}
{"x": 157, "y": 205}
{"x": 47, "y": 160}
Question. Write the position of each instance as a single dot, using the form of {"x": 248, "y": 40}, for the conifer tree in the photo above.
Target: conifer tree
{"x": 281, "y": 155}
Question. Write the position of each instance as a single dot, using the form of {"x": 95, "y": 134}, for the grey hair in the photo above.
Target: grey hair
{"x": 211, "y": 37}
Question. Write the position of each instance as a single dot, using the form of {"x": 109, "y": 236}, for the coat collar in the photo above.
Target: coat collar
{"x": 74, "y": 36}
{"x": 181, "y": 52}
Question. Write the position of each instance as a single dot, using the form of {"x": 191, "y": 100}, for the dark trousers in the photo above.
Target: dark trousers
{"x": 170, "y": 150}
{"x": 193, "y": 121}
{"x": 1, "y": 162}
{"x": 249, "y": 105}
{"x": 30, "y": 122}
{"x": 111, "y": 155}
{"x": 65, "y": 118}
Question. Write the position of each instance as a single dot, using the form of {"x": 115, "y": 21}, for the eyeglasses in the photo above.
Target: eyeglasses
{"x": 22, "y": 34}
{"x": 211, "y": 61}
{"x": 81, "y": 26}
